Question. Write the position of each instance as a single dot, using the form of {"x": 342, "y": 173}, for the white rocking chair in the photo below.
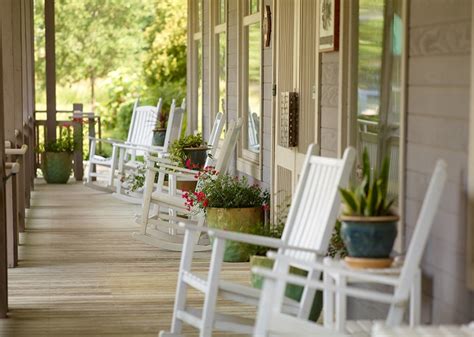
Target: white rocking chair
{"x": 162, "y": 230}
{"x": 307, "y": 233}
{"x": 128, "y": 165}
{"x": 338, "y": 279}
{"x": 140, "y": 122}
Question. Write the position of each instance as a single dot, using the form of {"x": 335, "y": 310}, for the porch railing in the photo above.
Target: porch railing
{"x": 81, "y": 125}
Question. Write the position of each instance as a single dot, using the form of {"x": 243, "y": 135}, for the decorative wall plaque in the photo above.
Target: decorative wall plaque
{"x": 289, "y": 108}
{"x": 328, "y": 25}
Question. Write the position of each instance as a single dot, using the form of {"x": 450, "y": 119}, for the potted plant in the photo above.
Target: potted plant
{"x": 189, "y": 151}
{"x": 56, "y": 159}
{"x": 134, "y": 181}
{"x": 230, "y": 203}
{"x": 369, "y": 226}
{"x": 159, "y": 132}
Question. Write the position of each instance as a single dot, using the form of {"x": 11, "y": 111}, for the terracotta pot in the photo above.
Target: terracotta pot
{"x": 56, "y": 167}
{"x": 369, "y": 237}
{"x": 243, "y": 220}
{"x": 184, "y": 185}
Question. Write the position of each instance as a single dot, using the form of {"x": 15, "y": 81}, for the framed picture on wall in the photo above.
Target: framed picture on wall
{"x": 328, "y": 25}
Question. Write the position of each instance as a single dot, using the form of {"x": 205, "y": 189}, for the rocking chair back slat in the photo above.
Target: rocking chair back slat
{"x": 216, "y": 132}
{"x": 228, "y": 145}
{"x": 132, "y": 121}
{"x": 144, "y": 123}
{"x": 214, "y": 139}
{"x": 159, "y": 106}
{"x": 422, "y": 229}
{"x": 311, "y": 217}
{"x": 175, "y": 123}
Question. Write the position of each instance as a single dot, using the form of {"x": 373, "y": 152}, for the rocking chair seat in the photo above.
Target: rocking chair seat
{"x": 102, "y": 160}
{"x": 133, "y": 164}
{"x": 251, "y": 296}
{"x": 168, "y": 200}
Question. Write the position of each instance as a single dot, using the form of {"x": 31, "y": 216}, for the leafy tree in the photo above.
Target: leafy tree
{"x": 94, "y": 38}
{"x": 164, "y": 66}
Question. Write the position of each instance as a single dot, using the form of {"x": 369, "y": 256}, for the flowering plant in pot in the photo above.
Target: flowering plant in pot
{"x": 56, "y": 158}
{"x": 189, "y": 151}
{"x": 230, "y": 203}
{"x": 369, "y": 226}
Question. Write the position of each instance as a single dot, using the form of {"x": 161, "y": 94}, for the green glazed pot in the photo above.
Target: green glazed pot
{"x": 243, "y": 220}
{"x": 292, "y": 291}
{"x": 56, "y": 167}
{"x": 159, "y": 136}
{"x": 369, "y": 237}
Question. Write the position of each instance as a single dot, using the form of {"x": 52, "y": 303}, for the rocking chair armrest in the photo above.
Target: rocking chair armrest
{"x": 116, "y": 141}
{"x": 17, "y": 152}
{"x": 156, "y": 149}
{"x": 259, "y": 241}
{"x": 350, "y": 291}
{"x": 130, "y": 146}
{"x": 103, "y": 140}
{"x": 331, "y": 267}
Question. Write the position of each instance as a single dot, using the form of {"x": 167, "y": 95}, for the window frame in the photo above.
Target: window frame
{"x": 248, "y": 162}
{"x": 216, "y": 29}
{"x": 195, "y": 35}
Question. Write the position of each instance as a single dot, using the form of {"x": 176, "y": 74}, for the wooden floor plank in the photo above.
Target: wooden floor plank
{"x": 81, "y": 273}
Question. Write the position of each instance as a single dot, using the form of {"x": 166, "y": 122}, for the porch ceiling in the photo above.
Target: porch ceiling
{"x": 82, "y": 274}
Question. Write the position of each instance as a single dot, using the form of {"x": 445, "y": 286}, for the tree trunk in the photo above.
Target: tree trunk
{"x": 93, "y": 102}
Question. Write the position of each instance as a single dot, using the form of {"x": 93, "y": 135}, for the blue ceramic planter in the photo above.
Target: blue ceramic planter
{"x": 369, "y": 237}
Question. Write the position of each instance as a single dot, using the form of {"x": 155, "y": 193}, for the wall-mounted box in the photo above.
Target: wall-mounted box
{"x": 289, "y": 109}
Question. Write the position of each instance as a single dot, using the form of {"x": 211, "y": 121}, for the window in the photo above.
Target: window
{"x": 219, "y": 55}
{"x": 196, "y": 65}
{"x": 379, "y": 72}
{"x": 251, "y": 82}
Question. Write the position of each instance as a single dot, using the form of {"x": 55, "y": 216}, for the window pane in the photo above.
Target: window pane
{"x": 221, "y": 73}
{"x": 221, "y": 11}
{"x": 199, "y": 85}
{"x": 378, "y": 109}
{"x": 253, "y": 6}
{"x": 252, "y": 35}
{"x": 199, "y": 16}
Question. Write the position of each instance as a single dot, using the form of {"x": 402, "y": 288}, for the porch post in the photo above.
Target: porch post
{"x": 3, "y": 233}
{"x": 50, "y": 70}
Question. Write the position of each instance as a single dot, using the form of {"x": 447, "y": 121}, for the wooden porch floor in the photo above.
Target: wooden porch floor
{"x": 82, "y": 274}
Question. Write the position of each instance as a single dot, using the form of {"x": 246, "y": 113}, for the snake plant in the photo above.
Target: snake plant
{"x": 369, "y": 197}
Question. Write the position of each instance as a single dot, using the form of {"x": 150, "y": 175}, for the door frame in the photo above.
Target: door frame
{"x": 295, "y": 158}
{"x": 470, "y": 177}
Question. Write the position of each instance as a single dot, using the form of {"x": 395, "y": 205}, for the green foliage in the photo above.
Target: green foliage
{"x": 135, "y": 180}
{"x": 111, "y": 52}
{"x": 369, "y": 198}
{"x": 225, "y": 191}
{"x": 336, "y": 245}
{"x": 64, "y": 144}
{"x": 176, "y": 150}
{"x": 165, "y": 59}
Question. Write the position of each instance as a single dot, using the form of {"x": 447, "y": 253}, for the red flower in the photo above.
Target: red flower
{"x": 188, "y": 163}
{"x": 200, "y": 196}
{"x": 205, "y": 203}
